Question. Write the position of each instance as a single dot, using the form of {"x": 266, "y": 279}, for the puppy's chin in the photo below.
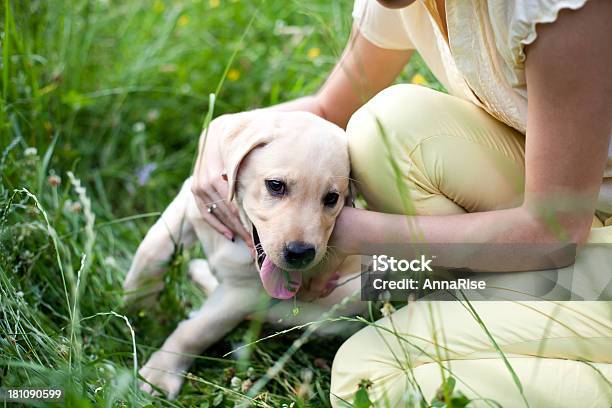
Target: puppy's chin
{"x": 278, "y": 283}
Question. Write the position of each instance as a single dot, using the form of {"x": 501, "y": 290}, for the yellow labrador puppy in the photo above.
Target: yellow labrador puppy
{"x": 289, "y": 175}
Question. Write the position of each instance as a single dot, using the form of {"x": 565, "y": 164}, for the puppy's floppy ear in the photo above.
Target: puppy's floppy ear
{"x": 242, "y": 132}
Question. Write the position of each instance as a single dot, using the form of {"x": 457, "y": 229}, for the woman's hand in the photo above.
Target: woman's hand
{"x": 326, "y": 277}
{"x": 210, "y": 186}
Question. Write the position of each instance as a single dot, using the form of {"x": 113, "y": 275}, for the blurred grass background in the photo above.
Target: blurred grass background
{"x": 102, "y": 105}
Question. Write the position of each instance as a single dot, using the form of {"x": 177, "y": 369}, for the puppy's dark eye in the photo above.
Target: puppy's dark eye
{"x": 330, "y": 199}
{"x": 276, "y": 187}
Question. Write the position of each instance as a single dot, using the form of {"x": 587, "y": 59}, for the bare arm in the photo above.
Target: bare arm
{"x": 568, "y": 131}
{"x": 362, "y": 71}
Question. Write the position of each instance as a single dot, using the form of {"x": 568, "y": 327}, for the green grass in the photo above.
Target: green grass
{"x": 110, "y": 97}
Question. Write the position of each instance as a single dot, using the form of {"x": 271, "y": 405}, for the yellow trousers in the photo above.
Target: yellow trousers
{"x": 453, "y": 157}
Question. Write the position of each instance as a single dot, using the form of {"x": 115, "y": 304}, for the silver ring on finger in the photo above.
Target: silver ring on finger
{"x": 211, "y": 208}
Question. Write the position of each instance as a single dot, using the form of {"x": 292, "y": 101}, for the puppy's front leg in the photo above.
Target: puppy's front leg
{"x": 225, "y": 308}
{"x": 173, "y": 228}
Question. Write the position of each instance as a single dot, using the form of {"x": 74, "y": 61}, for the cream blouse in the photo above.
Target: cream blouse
{"x": 483, "y": 60}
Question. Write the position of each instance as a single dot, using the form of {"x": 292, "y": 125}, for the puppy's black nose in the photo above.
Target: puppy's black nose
{"x": 299, "y": 254}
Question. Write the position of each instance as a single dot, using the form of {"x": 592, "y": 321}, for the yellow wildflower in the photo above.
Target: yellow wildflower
{"x": 158, "y": 6}
{"x": 314, "y": 52}
{"x": 214, "y": 3}
{"x": 182, "y": 21}
{"x": 418, "y": 79}
{"x": 233, "y": 74}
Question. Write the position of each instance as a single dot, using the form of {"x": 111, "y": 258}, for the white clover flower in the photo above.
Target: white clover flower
{"x": 236, "y": 383}
{"x": 139, "y": 127}
{"x": 30, "y": 151}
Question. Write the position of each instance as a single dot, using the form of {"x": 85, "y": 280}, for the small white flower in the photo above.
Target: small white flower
{"x": 30, "y": 151}
{"x": 67, "y": 205}
{"x": 110, "y": 261}
{"x": 72, "y": 206}
{"x": 306, "y": 375}
{"x": 76, "y": 207}
{"x": 250, "y": 372}
{"x": 152, "y": 115}
{"x": 139, "y": 127}
{"x": 387, "y": 309}
{"x": 19, "y": 294}
{"x": 235, "y": 383}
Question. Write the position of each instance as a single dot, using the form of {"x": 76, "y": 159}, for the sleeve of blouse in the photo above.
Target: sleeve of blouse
{"x": 523, "y": 17}
{"x": 381, "y": 26}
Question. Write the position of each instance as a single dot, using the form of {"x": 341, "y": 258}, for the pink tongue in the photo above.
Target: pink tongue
{"x": 275, "y": 279}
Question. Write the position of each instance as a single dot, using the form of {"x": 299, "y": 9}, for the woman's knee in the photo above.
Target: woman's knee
{"x": 416, "y": 150}
{"x": 383, "y": 136}
{"x": 406, "y": 115}
{"x": 384, "y": 118}
{"x": 380, "y": 355}
{"x": 344, "y": 379}
{"x": 354, "y": 365}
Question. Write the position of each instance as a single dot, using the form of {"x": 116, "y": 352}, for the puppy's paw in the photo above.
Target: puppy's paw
{"x": 200, "y": 273}
{"x": 161, "y": 371}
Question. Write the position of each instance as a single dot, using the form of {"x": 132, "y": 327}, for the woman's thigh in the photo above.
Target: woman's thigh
{"x": 415, "y": 150}
{"x": 392, "y": 352}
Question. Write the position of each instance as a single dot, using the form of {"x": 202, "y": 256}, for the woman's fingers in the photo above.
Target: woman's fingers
{"x": 222, "y": 187}
{"x": 218, "y": 213}
{"x": 229, "y": 217}
{"x": 325, "y": 280}
{"x": 322, "y": 286}
{"x": 211, "y": 219}
{"x": 239, "y": 228}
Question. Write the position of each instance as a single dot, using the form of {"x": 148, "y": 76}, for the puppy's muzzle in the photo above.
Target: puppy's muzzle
{"x": 299, "y": 254}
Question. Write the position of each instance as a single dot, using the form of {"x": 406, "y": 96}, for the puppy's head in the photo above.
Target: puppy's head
{"x": 289, "y": 173}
